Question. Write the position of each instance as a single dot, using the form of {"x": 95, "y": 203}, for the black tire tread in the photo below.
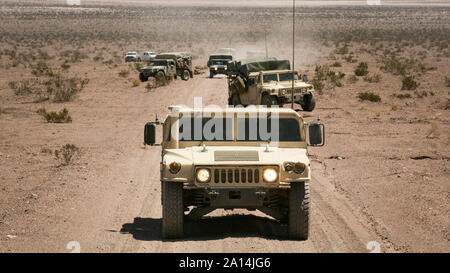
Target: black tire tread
{"x": 299, "y": 204}
{"x": 173, "y": 214}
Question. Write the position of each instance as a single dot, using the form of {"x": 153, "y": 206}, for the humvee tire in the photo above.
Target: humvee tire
{"x": 309, "y": 103}
{"x": 235, "y": 100}
{"x": 185, "y": 75}
{"x": 299, "y": 211}
{"x": 142, "y": 77}
{"x": 173, "y": 213}
{"x": 269, "y": 100}
{"x": 211, "y": 75}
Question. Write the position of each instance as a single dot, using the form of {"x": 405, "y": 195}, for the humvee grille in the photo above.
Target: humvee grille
{"x": 236, "y": 175}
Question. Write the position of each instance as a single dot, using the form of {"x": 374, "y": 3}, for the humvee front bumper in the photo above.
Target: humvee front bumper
{"x": 232, "y": 198}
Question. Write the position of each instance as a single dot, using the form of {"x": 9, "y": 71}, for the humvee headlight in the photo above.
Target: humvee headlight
{"x": 299, "y": 168}
{"x": 203, "y": 175}
{"x": 270, "y": 175}
{"x": 303, "y": 90}
{"x": 283, "y": 92}
{"x": 215, "y": 68}
{"x": 174, "y": 167}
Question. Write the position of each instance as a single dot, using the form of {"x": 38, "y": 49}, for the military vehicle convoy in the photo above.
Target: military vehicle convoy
{"x": 168, "y": 64}
{"x": 217, "y": 64}
{"x": 226, "y": 160}
{"x": 267, "y": 81}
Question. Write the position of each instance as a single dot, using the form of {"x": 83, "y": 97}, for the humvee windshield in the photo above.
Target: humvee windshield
{"x": 248, "y": 129}
{"x": 287, "y": 76}
{"x": 270, "y": 78}
{"x": 157, "y": 63}
{"x": 218, "y": 62}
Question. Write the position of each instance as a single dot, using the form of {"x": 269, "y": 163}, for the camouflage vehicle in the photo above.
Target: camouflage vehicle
{"x": 218, "y": 64}
{"x": 158, "y": 68}
{"x": 267, "y": 81}
{"x": 183, "y": 63}
{"x": 234, "y": 166}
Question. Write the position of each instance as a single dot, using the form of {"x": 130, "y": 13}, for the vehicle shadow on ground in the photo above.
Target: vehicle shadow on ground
{"x": 210, "y": 228}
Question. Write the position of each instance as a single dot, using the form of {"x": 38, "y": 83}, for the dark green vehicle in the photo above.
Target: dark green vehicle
{"x": 158, "y": 68}
{"x": 218, "y": 64}
{"x": 168, "y": 64}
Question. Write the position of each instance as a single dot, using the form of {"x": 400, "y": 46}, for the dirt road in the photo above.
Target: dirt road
{"x": 113, "y": 202}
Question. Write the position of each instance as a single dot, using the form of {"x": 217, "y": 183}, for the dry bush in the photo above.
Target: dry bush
{"x": 403, "y": 96}
{"x": 55, "y": 117}
{"x": 362, "y": 69}
{"x": 369, "y": 96}
{"x": 409, "y": 83}
{"x": 23, "y": 87}
{"x": 352, "y": 79}
{"x": 67, "y": 153}
{"x": 124, "y": 73}
{"x": 447, "y": 81}
{"x": 62, "y": 88}
{"x": 135, "y": 81}
{"x": 375, "y": 78}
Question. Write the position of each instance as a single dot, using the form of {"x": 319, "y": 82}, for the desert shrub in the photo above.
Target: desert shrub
{"x": 372, "y": 78}
{"x": 409, "y": 83}
{"x": 62, "y": 88}
{"x": 67, "y": 153}
{"x": 22, "y": 87}
{"x": 447, "y": 105}
{"x": 352, "y": 79}
{"x": 369, "y": 96}
{"x": 397, "y": 66}
{"x": 336, "y": 64}
{"x": 138, "y": 66}
{"x": 65, "y": 65}
{"x": 135, "y": 82}
{"x": 55, "y": 117}
{"x": 124, "y": 73}
{"x": 343, "y": 50}
{"x": 42, "y": 69}
{"x": 97, "y": 58}
{"x": 324, "y": 74}
{"x": 318, "y": 85}
{"x": 350, "y": 59}
{"x": 149, "y": 86}
{"x": 403, "y": 96}
{"x": 447, "y": 81}
{"x": 362, "y": 69}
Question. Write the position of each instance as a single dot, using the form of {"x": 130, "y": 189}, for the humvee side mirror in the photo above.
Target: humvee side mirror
{"x": 150, "y": 132}
{"x": 316, "y": 134}
{"x": 305, "y": 77}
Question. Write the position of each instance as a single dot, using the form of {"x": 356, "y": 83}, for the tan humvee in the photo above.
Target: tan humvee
{"x": 231, "y": 158}
{"x": 271, "y": 88}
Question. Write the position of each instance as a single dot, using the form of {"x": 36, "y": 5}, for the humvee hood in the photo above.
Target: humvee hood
{"x": 298, "y": 84}
{"x": 235, "y": 155}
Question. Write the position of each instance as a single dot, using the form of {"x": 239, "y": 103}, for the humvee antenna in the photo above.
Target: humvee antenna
{"x": 265, "y": 39}
{"x": 293, "y": 53}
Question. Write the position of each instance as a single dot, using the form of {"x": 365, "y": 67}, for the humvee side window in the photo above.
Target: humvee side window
{"x": 253, "y": 129}
{"x": 270, "y": 78}
{"x": 209, "y": 129}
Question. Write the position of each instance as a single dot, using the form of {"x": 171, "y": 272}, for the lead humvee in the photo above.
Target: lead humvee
{"x": 267, "y": 81}
{"x": 225, "y": 159}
